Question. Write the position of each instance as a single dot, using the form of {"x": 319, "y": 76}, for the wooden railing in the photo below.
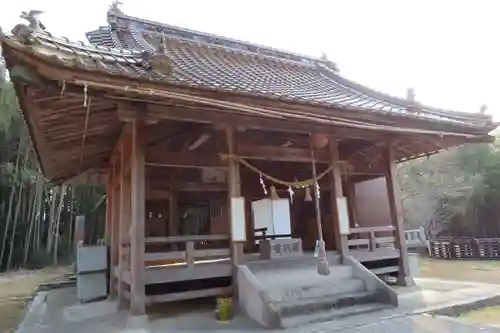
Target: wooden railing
{"x": 416, "y": 238}
{"x": 190, "y": 249}
{"x": 189, "y": 253}
{"x": 265, "y": 236}
{"x": 369, "y": 238}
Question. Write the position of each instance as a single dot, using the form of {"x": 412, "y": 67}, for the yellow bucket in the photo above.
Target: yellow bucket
{"x": 224, "y": 309}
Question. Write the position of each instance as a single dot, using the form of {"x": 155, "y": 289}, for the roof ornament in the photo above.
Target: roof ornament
{"x": 483, "y": 108}
{"x": 24, "y": 32}
{"x": 328, "y": 63}
{"x": 115, "y": 7}
{"x": 410, "y": 98}
{"x": 158, "y": 60}
{"x": 32, "y": 18}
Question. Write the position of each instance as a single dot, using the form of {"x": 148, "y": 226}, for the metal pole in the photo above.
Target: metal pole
{"x": 323, "y": 265}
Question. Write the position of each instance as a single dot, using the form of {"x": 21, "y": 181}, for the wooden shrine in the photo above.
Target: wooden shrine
{"x": 187, "y": 129}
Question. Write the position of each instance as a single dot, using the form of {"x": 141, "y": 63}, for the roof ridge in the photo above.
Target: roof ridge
{"x": 281, "y": 54}
{"x": 458, "y": 115}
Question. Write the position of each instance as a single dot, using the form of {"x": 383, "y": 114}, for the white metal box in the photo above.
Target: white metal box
{"x": 91, "y": 286}
{"x": 91, "y": 258}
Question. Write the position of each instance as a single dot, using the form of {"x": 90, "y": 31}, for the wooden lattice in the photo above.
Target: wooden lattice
{"x": 488, "y": 247}
{"x": 465, "y": 248}
{"x": 441, "y": 248}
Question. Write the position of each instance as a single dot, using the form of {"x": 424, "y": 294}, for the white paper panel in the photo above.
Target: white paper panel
{"x": 281, "y": 217}
{"x": 262, "y": 215}
{"x": 343, "y": 216}
{"x": 238, "y": 232}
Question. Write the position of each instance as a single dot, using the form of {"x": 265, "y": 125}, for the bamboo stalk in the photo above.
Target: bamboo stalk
{"x": 11, "y": 199}
{"x": 50, "y": 231}
{"x": 40, "y": 213}
{"x": 32, "y": 221}
{"x": 18, "y": 207}
{"x": 71, "y": 215}
{"x": 62, "y": 190}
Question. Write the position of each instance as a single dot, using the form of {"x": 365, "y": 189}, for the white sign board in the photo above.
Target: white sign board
{"x": 343, "y": 215}
{"x": 238, "y": 230}
{"x": 273, "y": 215}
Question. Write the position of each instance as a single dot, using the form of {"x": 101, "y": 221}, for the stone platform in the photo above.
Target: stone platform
{"x": 57, "y": 311}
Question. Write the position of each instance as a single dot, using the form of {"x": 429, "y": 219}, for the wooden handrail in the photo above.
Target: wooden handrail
{"x": 183, "y": 239}
{"x": 264, "y": 237}
{"x": 360, "y": 230}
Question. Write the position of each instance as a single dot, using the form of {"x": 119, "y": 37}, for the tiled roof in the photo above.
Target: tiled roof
{"x": 215, "y": 62}
{"x": 206, "y": 61}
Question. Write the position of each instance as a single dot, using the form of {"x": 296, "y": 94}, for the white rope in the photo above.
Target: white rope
{"x": 85, "y": 95}
{"x": 63, "y": 87}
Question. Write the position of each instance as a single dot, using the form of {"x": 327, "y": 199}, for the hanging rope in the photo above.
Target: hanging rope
{"x": 294, "y": 184}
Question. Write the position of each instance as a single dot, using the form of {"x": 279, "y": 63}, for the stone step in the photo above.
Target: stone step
{"x": 333, "y": 288}
{"x": 307, "y": 261}
{"x": 325, "y": 303}
{"x": 330, "y": 315}
{"x": 302, "y": 276}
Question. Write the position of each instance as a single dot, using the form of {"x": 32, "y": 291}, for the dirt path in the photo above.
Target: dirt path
{"x": 485, "y": 271}
{"x": 16, "y": 289}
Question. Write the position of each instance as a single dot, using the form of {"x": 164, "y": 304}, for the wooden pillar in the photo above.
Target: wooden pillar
{"x": 336, "y": 192}
{"x": 397, "y": 216}
{"x": 172, "y": 212}
{"x": 234, "y": 191}
{"x": 113, "y": 235}
{"x": 173, "y": 217}
{"x": 351, "y": 204}
{"x": 109, "y": 207}
{"x": 138, "y": 210}
{"x": 124, "y": 232}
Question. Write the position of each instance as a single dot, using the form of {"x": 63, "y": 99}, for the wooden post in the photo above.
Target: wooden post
{"x": 351, "y": 204}
{"x": 373, "y": 241}
{"x": 138, "y": 209}
{"x": 109, "y": 207}
{"x": 336, "y": 192}
{"x": 111, "y": 240}
{"x": 114, "y": 255}
{"x": 124, "y": 232}
{"x": 234, "y": 191}
{"x": 190, "y": 254}
{"x": 396, "y": 212}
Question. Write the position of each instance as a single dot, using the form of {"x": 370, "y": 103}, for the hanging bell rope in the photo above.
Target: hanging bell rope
{"x": 294, "y": 184}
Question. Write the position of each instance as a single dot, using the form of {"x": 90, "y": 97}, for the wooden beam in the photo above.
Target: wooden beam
{"x": 128, "y": 113}
{"x": 199, "y": 141}
{"x": 336, "y": 192}
{"x": 212, "y": 159}
{"x": 396, "y": 212}
{"x": 210, "y": 116}
{"x": 182, "y": 159}
{"x": 138, "y": 209}
{"x": 287, "y": 154}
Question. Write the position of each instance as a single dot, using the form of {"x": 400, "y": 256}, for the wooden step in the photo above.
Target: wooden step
{"x": 384, "y": 270}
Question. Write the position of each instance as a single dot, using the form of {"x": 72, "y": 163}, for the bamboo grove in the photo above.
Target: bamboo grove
{"x": 36, "y": 218}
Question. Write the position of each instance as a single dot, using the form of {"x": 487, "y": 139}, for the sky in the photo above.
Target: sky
{"x": 447, "y": 51}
